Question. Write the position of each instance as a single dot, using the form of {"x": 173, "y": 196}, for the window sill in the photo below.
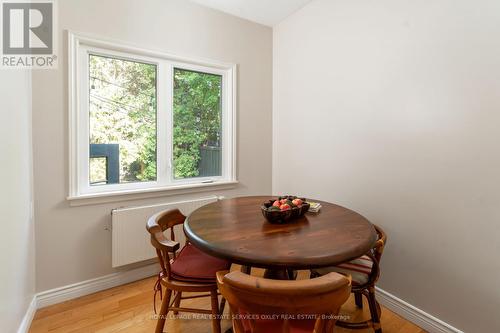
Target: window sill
{"x": 106, "y": 197}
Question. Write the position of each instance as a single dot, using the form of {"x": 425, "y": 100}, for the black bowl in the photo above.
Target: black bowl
{"x": 280, "y": 217}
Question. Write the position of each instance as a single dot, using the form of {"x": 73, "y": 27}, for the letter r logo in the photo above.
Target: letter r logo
{"x": 27, "y": 27}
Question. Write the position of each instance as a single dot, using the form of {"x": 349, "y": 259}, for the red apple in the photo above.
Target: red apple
{"x": 276, "y": 204}
{"x": 285, "y": 207}
{"x": 297, "y": 202}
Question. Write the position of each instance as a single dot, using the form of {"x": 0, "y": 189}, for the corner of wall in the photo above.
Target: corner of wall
{"x": 274, "y": 188}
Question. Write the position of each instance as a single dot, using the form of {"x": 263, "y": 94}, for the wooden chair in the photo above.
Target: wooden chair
{"x": 261, "y": 305}
{"x": 191, "y": 270}
{"x": 365, "y": 272}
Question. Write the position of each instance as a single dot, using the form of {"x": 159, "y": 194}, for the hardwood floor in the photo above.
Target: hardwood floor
{"x": 129, "y": 308}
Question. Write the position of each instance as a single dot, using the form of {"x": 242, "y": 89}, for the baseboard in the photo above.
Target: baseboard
{"x": 28, "y": 317}
{"x": 411, "y": 313}
{"x": 83, "y": 288}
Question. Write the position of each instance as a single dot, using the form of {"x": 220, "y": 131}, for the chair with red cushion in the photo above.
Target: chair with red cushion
{"x": 261, "y": 305}
{"x": 365, "y": 272}
{"x": 191, "y": 270}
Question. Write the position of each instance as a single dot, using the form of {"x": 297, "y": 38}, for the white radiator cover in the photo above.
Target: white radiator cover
{"x": 130, "y": 239}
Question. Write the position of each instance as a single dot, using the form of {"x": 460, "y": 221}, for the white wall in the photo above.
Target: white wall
{"x": 17, "y": 281}
{"x": 72, "y": 244}
{"x": 392, "y": 108}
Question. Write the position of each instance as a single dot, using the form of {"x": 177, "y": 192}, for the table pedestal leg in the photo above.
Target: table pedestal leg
{"x": 280, "y": 274}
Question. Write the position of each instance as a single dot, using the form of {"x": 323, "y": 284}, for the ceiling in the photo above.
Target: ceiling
{"x": 267, "y": 12}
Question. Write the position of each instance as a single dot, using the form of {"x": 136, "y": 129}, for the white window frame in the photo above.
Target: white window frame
{"x": 79, "y": 47}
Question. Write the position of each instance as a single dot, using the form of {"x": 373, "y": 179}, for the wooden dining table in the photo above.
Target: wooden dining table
{"x": 236, "y": 230}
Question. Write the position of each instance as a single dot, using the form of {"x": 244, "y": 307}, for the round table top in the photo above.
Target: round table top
{"x": 235, "y": 229}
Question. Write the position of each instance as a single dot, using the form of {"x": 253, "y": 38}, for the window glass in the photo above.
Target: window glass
{"x": 197, "y": 147}
{"x": 122, "y": 121}
{"x": 98, "y": 171}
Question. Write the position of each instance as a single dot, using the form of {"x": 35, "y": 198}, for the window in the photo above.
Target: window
{"x": 143, "y": 121}
{"x": 122, "y": 113}
{"x": 197, "y": 124}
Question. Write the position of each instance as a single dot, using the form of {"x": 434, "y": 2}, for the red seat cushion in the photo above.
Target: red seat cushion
{"x": 193, "y": 265}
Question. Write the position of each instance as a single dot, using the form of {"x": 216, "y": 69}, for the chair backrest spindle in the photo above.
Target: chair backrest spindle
{"x": 376, "y": 254}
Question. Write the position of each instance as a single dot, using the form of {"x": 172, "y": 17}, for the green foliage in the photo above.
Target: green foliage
{"x": 123, "y": 111}
{"x": 197, "y": 118}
